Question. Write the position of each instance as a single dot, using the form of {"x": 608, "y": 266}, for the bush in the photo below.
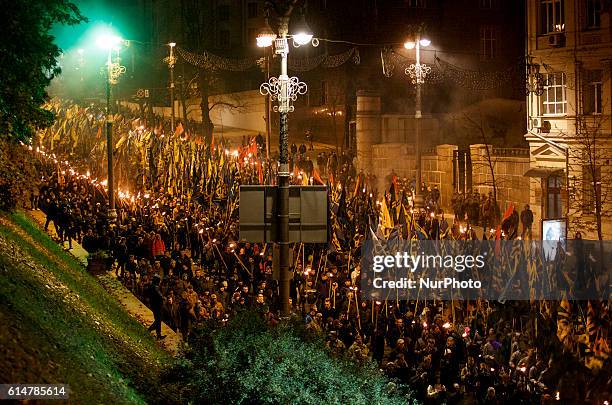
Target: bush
{"x": 248, "y": 363}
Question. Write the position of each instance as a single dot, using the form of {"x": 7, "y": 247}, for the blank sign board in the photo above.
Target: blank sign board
{"x": 307, "y": 214}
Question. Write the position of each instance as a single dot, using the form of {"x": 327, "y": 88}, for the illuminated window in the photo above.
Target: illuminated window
{"x": 554, "y": 100}
{"x": 552, "y": 17}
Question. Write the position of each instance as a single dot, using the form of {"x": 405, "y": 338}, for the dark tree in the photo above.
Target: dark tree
{"x": 29, "y": 61}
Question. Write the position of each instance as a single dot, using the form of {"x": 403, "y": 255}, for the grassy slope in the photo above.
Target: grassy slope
{"x": 62, "y": 327}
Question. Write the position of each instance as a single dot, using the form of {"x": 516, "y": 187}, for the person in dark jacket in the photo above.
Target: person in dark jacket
{"x": 527, "y": 221}
{"x": 156, "y": 302}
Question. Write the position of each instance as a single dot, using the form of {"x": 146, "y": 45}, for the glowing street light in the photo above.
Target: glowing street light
{"x": 266, "y": 37}
{"x": 417, "y": 73}
{"x": 302, "y": 32}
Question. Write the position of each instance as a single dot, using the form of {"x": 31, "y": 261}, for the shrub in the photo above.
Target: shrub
{"x": 248, "y": 363}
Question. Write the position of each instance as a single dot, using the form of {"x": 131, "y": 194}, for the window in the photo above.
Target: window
{"x": 416, "y": 3}
{"x": 552, "y": 17}
{"x": 553, "y": 197}
{"x": 224, "y": 39}
{"x": 488, "y": 42}
{"x": 593, "y": 13}
{"x": 223, "y": 12}
{"x": 592, "y": 92}
{"x": 590, "y": 186}
{"x": 252, "y": 10}
{"x": 554, "y": 100}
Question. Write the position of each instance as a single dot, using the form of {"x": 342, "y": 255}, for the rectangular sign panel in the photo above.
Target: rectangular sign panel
{"x": 258, "y": 212}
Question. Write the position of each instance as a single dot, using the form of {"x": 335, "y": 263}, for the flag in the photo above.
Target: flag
{"x": 403, "y": 221}
{"x": 394, "y": 204}
{"x": 386, "y": 221}
{"x": 419, "y": 232}
{"x": 564, "y": 321}
{"x": 341, "y": 207}
{"x": 508, "y": 212}
{"x": 394, "y": 185}
{"x": 179, "y": 130}
{"x": 591, "y": 326}
{"x": 358, "y": 184}
{"x": 317, "y": 177}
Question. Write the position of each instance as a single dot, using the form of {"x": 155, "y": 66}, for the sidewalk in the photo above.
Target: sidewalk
{"x": 114, "y": 287}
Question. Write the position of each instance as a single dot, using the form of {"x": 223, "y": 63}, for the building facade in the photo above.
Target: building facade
{"x": 569, "y": 52}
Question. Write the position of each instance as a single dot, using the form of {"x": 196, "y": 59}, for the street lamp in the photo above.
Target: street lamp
{"x": 285, "y": 89}
{"x": 417, "y": 72}
{"x": 266, "y": 37}
{"x": 302, "y": 32}
{"x": 113, "y": 71}
{"x": 171, "y": 61}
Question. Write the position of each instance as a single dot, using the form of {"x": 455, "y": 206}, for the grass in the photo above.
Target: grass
{"x": 55, "y": 306}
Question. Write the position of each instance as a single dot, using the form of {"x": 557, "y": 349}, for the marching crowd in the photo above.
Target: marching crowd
{"x": 180, "y": 256}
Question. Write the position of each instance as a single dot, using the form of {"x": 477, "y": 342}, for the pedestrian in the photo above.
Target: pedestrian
{"x": 156, "y": 302}
{"x": 527, "y": 221}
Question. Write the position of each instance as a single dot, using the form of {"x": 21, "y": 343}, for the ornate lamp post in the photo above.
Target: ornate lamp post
{"x": 171, "y": 61}
{"x": 113, "y": 71}
{"x": 417, "y": 72}
{"x": 285, "y": 89}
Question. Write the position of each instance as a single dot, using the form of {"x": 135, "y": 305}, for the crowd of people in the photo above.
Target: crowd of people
{"x": 180, "y": 255}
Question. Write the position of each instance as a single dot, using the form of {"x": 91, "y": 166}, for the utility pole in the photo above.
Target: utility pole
{"x": 418, "y": 197}
{"x": 285, "y": 89}
{"x": 283, "y": 170}
{"x": 112, "y": 213}
{"x": 171, "y": 60}
{"x": 113, "y": 71}
{"x": 417, "y": 73}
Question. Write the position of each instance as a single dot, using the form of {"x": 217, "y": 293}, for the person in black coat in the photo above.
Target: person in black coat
{"x": 156, "y": 302}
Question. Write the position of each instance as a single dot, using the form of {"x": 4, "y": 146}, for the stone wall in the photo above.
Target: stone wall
{"x": 437, "y": 169}
{"x": 509, "y": 167}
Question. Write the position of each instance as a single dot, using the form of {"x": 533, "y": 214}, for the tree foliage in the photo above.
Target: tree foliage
{"x": 29, "y": 61}
{"x": 247, "y": 362}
